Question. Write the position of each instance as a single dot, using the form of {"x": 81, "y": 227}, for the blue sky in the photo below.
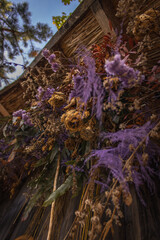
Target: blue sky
{"x": 42, "y": 11}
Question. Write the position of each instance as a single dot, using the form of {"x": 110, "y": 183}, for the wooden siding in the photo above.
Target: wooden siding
{"x": 84, "y": 34}
{"x": 12, "y": 99}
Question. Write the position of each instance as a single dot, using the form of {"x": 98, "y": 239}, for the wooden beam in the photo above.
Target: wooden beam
{"x": 101, "y": 17}
{"x": 3, "y": 111}
{"x": 109, "y": 7}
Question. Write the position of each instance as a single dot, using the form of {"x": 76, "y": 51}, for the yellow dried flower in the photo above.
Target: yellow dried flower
{"x": 72, "y": 104}
{"x": 73, "y": 120}
{"x": 49, "y": 144}
{"x": 44, "y": 148}
{"x": 57, "y": 99}
{"x": 50, "y": 147}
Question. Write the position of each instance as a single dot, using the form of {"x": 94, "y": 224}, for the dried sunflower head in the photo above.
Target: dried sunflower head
{"x": 74, "y": 120}
{"x": 57, "y": 99}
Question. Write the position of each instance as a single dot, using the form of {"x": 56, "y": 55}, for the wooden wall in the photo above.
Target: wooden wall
{"x": 11, "y": 99}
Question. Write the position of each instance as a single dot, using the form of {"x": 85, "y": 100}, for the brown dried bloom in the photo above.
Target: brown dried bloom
{"x": 131, "y": 147}
{"x": 146, "y": 23}
{"x": 70, "y": 144}
{"x": 87, "y": 133}
{"x": 73, "y": 120}
{"x": 49, "y": 144}
{"x": 108, "y": 212}
{"x": 71, "y": 105}
{"x": 127, "y": 198}
{"x": 153, "y": 117}
{"x": 108, "y": 81}
{"x": 122, "y": 126}
{"x": 136, "y": 104}
{"x": 88, "y": 202}
{"x": 98, "y": 210}
{"x": 57, "y": 99}
{"x": 155, "y": 133}
{"x": 145, "y": 158}
{"x": 95, "y": 220}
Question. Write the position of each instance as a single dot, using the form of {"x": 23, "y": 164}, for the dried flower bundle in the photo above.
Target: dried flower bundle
{"x": 98, "y": 129}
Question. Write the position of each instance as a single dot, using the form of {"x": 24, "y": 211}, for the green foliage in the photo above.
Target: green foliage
{"x": 17, "y": 33}
{"x": 67, "y": 2}
{"x": 59, "y": 192}
{"x": 60, "y": 20}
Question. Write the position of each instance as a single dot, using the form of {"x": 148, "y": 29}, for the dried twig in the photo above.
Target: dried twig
{"x": 53, "y": 204}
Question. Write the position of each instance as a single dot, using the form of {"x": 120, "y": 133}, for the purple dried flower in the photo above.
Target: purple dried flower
{"x": 91, "y": 87}
{"x": 110, "y": 158}
{"x": 40, "y": 90}
{"x": 43, "y": 95}
{"x": 78, "y": 87}
{"x": 46, "y": 53}
{"x": 55, "y": 66}
{"x": 48, "y": 93}
{"x": 126, "y": 137}
{"x": 24, "y": 115}
{"x": 117, "y": 67}
{"x": 19, "y": 113}
{"x": 112, "y": 96}
{"x": 51, "y": 58}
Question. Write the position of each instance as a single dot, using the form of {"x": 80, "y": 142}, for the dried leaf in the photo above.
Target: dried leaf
{"x": 59, "y": 192}
{"x": 13, "y": 141}
{"x": 12, "y": 155}
{"x": 131, "y": 43}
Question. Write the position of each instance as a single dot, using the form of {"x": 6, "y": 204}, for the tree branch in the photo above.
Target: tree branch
{"x": 12, "y": 31}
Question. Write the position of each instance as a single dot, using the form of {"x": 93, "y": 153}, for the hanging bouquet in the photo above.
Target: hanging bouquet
{"x": 97, "y": 131}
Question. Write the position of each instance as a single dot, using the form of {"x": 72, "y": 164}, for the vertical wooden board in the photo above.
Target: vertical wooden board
{"x": 109, "y": 7}
{"x": 101, "y": 17}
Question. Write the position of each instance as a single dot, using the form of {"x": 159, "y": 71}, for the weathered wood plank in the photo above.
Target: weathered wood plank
{"x": 101, "y": 17}
{"x": 3, "y": 111}
{"x": 109, "y": 8}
